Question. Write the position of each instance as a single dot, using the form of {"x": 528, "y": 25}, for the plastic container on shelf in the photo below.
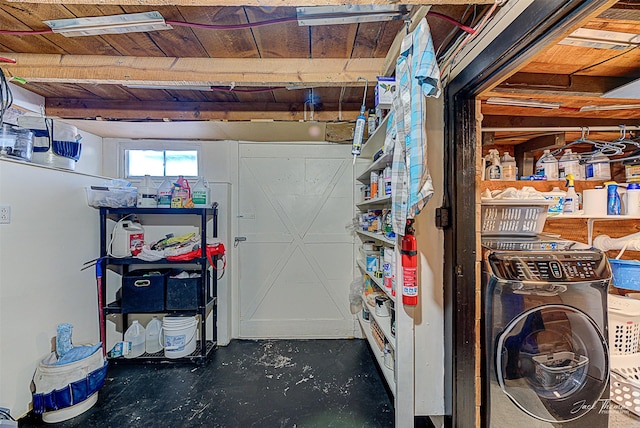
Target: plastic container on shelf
{"x": 509, "y": 168}
{"x": 201, "y": 194}
{"x": 152, "y": 336}
{"x": 598, "y": 168}
{"x": 494, "y": 170}
{"x": 181, "y": 192}
{"x": 547, "y": 166}
{"x": 147, "y": 194}
{"x": 136, "y": 335}
{"x": 613, "y": 199}
{"x": 632, "y": 205}
{"x": 164, "y": 194}
{"x": 571, "y": 204}
{"x": 569, "y": 163}
{"x": 556, "y": 195}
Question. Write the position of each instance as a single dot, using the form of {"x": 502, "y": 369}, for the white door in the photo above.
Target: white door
{"x": 295, "y": 267}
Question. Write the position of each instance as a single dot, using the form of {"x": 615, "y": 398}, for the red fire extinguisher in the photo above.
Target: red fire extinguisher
{"x": 409, "y": 251}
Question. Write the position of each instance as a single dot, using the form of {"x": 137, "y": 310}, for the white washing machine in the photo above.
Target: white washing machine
{"x": 545, "y": 356}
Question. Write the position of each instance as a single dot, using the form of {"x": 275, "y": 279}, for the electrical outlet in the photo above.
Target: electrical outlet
{"x": 5, "y": 214}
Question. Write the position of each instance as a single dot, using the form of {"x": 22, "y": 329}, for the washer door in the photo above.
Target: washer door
{"x": 552, "y": 362}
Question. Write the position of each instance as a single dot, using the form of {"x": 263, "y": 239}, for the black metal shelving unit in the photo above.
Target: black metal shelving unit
{"x": 208, "y": 288}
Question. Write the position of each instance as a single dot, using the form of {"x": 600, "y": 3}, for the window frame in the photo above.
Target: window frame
{"x": 156, "y": 145}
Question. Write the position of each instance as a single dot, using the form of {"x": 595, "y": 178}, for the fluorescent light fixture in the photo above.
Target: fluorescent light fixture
{"x": 114, "y": 24}
{"x": 171, "y": 87}
{"x": 629, "y": 90}
{"x": 600, "y": 39}
{"x": 516, "y": 102}
{"x": 611, "y": 107}
{"x": 349, "y": 14}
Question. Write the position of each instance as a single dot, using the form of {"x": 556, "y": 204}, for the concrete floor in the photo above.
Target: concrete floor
{"x": 273, "y": 383}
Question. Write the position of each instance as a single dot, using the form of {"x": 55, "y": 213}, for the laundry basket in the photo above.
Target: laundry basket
{"x": 625, "y": 381}
{"x": 524, "y": 217}
{"x": 624, "y": 342}
{"x": 624, "y": 325}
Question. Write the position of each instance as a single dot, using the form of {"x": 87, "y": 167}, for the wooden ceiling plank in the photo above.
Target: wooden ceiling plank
{"x": 222, "y": 43}
{"x": 285, "y": 40}
{"x": 261, "y": 3}
{"x": 191, "y": 71}
{"x": 83, "y": 108}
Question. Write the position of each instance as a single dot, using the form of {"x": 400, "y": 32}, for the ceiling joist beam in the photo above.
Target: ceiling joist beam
{"x": 164, "y": 71}
{"x": 159, "y": 110}
{"x": 262, "y": 3}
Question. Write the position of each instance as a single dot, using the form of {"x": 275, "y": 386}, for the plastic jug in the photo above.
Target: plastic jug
{"x": 547, "y": 166}
{"x": 181, "y": 193}
{"x": 136, "y": 335}
{"x": 556, "y": 195}
{"x": 494, "y": 170}
{"x": 598, "y": 168}
{"x": 201, "y": 195}
{"x": 633, "y": 200}
{"x": 569, "y": 163}
{"x": 509, "y": 168}
{"x": 127, "y": 239}
{"x": 147, "y": 194}
{"x": 164, "y": 194}
{"x": 152, "y": 336}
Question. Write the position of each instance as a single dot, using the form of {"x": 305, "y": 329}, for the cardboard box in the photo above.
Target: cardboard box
{"x": 385, "y": 88}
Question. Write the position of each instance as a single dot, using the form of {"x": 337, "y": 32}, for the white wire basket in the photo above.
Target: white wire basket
{"x": 625, "y": 381}
{"x": 624, "y": 325}
{"x": 524, "y": 217}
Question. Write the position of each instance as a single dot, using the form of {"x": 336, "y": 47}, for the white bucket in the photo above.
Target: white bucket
{"x": 178, "y": 336}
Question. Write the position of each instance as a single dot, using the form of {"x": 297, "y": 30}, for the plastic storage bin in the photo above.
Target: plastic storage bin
{"x": 624, "y": 325}
{"x": 143, "y": 290}
{"x": 524, "y": 217}
{"x": 183, "y": 293}
{"x": 626, "y": 274}
{"x": 112, "y": 197}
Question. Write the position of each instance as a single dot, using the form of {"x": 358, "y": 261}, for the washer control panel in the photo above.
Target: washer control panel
{"x": 575, "y": 266}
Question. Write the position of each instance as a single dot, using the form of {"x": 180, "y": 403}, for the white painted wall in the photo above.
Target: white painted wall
{"x": 52, "y": 233}
{"x": 429, "y": 324}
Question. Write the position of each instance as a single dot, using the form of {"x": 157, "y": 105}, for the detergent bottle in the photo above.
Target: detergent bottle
{"x": 494, "y": 170}
{"x": 181, "y": 192}
{"x": 571, "y": 198}
{"x": 164, "y": 194}
{"x": 509, "y": 168}
{"x": 547, "y": 166}
{"x": 201, "y": 194}
{"x": 569, "y": 163}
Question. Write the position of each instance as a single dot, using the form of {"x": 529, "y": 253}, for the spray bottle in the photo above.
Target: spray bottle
{"x": 361, "y": 120}
{"x": 571, "y": 198}
{"x": 494, "y": 170}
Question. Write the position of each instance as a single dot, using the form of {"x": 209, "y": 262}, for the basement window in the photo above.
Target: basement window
{"x": 160, "y": 163}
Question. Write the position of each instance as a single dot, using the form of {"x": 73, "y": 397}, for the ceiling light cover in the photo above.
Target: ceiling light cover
{"x": 601, "y": 39}
{"x": 114, "y": 24}
{"x": 610, "y": 107}
{"x": 515, "y": 102}
{"x": 171, "y": 87}
{"x": 349, "y": 14}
